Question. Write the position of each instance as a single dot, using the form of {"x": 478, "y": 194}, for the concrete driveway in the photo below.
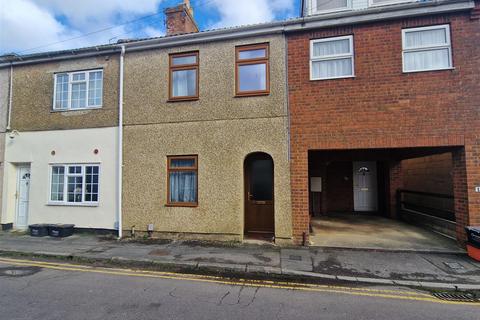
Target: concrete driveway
{"x": 374, "y": 232}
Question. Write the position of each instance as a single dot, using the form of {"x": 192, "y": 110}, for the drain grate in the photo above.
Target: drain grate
{"x": 456, "y": 296}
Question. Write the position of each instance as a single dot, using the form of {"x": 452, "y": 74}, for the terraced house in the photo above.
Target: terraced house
{"x": 372, "y": 86}
{"x": 61, "y": 147}
{"x": 205, "y": 133}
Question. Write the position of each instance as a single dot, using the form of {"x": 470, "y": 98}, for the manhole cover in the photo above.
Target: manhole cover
{"x": 295, "y": 258}
{"x": 456, "y": 296}
{"x": 19, "y": 271}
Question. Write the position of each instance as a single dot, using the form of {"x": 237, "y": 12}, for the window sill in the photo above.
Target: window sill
{"x": 388, "y": 3}
{"x": 54, "y": 204}
{"x": 252, "y": 94}
{"x": 333, "y": 78}
{"x": 186, "y": 205}
{"x": 183, "y": 99}
{"x": 80, "y": 109}
{"x": 429, "y": 70}
{"x": 319, "y": 12}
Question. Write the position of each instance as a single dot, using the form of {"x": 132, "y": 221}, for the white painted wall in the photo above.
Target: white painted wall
{"x": 70, "y": 146}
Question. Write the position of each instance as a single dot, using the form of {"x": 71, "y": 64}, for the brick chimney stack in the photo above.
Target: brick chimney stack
{"x": 180, "y": 20}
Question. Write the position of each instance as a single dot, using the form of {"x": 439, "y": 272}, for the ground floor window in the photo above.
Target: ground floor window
{"x": 74, "y": 183}
{"x": 182, "y": 184}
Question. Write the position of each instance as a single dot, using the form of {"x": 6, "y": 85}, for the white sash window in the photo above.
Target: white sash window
{"x": 78, "y": 90}
{"x": 426, "y": 48}
{"x": 331, "y": 58}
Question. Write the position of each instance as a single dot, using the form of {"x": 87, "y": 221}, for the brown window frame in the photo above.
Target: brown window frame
{"x": 192, "y": 66}
{"x": 241, "y": 62}
{"x": 177, "y": 169}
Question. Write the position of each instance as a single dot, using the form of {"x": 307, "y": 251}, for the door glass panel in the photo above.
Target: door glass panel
{"x": 261, "y": 180}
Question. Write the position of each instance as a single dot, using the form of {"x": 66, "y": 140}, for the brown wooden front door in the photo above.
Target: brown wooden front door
{"x": 259, "y": 211}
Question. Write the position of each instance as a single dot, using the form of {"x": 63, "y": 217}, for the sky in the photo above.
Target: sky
{"x": 30, "y": 26}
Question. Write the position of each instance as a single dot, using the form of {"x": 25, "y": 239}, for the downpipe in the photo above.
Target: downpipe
{"x": 120, "y": 145}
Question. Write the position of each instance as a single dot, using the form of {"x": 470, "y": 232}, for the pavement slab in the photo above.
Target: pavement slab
{"x": 437, "y": 270}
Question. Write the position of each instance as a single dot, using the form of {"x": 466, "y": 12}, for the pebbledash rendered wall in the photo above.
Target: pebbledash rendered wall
{"x": 220, "y": 128}
{"x": 382, "y": 107}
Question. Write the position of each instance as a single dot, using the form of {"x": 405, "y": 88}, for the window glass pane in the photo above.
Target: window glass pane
{"x": 61, "y": 91}
{"x": 179, "y": 163}
{"x": 78, "y": 76}
{"x": 58, "y": 173}
{"x": 75, "y": 169}
{"x": 252, "y": 54}
{"x": 425, "y": 38}
{"x": 333, "y": 47}
{"x": 91, "y": 183}
{"x": 321, "y": 5}
{"x": 332, "y": 68}
{"x": 427, "y": 60}
{"x": 184, "y": 83}
{"x": 252, "y": 77}
{"x": 74, "y": 189}
{"x": 176, "y": 61}
{"x": 183, "y": 186}
{"x": 261, "y": 180}
{"x": 389, "y": 1}
{"x": 79, "y": 94}
{"x": 95, "y": 88}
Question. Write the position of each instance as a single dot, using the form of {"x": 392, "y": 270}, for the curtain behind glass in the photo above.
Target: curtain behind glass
{"x": 329, "y": 48}
{"x": 425, "y": 38}
{"x": 426, "y": 60}
{"x": 330, "y": 4}
{"x": 183, "y": 186}
{"x": 184, "y": 83}
{"x": 332, "y": 68}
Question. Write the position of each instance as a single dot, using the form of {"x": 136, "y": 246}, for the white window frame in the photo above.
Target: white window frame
{"x": 65, "y": 202}
{"x": 351, "y": 54}
{"x": 312, "y": 11}
{"x": 388, "y": 3}
{"x": 70, "y": 82}
{"x": 448, "y": 46}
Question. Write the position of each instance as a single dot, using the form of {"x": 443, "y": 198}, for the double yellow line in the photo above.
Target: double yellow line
{"x": 366, "y": 292}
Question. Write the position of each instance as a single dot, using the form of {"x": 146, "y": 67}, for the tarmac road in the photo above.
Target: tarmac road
{"x": 43, "y": 290}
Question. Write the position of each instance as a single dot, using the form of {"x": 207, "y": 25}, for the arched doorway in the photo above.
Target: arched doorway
{"x": 259, "y": 196}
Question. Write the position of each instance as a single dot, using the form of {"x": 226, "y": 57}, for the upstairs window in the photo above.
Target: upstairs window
{"x": 182, "y": 184}
{"x": 387, "y": 2}
{"x": 183, "y": 76}
{"x": 331, "y": 58}
{"x": 78, "y": 90}
{"x": 319, "y": 6}
{"x": 426, "y": 48}
{"x": 252, "y": 70}
{"x": 74, "y": 184}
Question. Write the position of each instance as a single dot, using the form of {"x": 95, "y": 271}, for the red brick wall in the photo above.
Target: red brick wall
{"x": 382, "y": 107}
{"x": 179, "y": 20}
{"x": 429, "y": 174}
